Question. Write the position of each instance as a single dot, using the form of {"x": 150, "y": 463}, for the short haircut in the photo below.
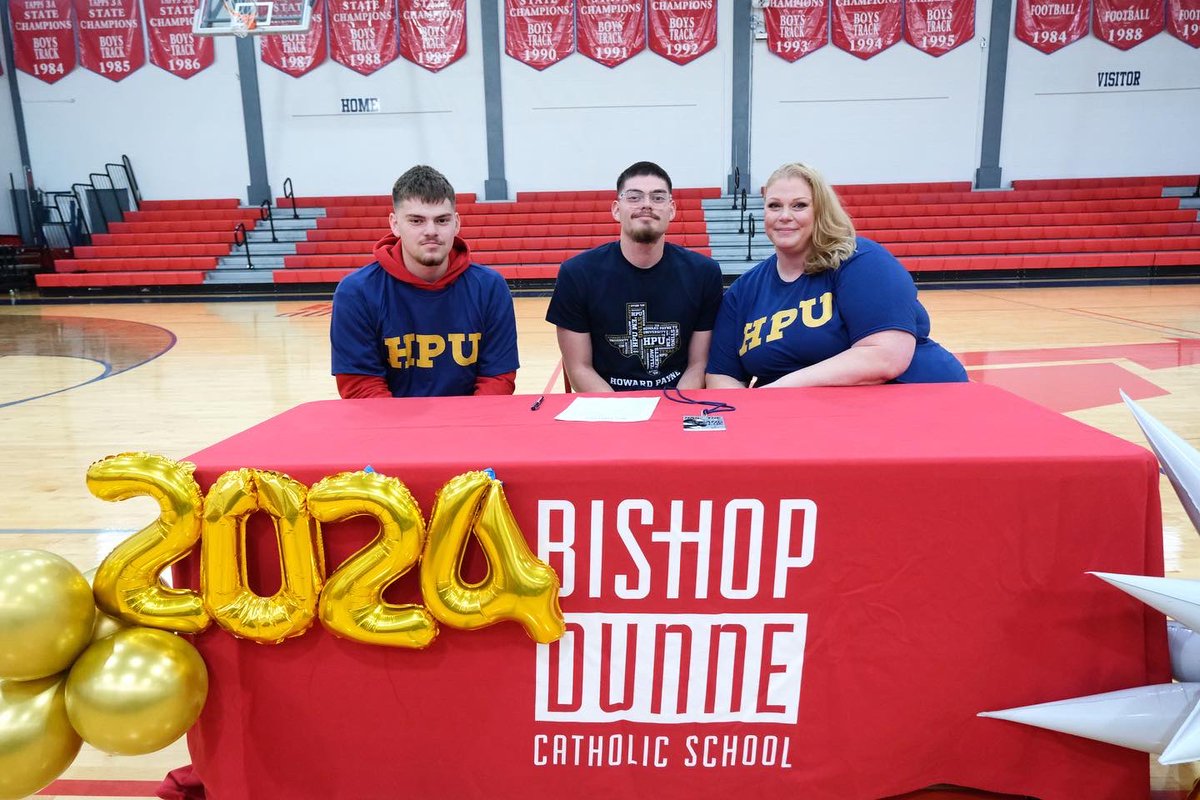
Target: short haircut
{"x": 642, "y": 168}
{"x": 833, "y": 232}
{"x": 422, "y": 183}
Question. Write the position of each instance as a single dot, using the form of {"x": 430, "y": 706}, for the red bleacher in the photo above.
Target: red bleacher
{"x": 941, "y": 227}
{"x": 164, "y": 243}
{"x": 523, "y": 239}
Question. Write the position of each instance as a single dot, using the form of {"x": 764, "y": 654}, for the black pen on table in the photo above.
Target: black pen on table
{"x": 537, "y": 403}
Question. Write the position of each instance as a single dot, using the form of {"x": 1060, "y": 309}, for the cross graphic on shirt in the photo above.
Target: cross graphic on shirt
{"x": 651, "y": 342}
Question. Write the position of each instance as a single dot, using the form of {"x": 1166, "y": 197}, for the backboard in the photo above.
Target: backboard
{"x": 251, "y": 17}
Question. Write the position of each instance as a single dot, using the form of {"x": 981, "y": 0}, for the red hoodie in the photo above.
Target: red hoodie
{"x": 387, "y": 253}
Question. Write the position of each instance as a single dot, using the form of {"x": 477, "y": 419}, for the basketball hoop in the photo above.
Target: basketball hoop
{"x": 240, "y": 24}
{"x": 244, "y": 18}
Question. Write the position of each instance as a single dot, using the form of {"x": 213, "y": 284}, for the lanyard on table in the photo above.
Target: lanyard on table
{"x": 710, "y": 406}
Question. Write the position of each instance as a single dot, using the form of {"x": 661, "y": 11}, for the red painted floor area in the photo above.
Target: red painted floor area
{"x": 102, "y": 788}
{"x": 1152, "y": 355}
{"x": 1069, "y": 387}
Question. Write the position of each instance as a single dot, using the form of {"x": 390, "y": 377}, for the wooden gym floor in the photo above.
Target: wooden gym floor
{"x": 80, "y": 382}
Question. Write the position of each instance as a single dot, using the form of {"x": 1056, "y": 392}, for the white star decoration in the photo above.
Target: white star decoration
{"x": 1165, "y": 718}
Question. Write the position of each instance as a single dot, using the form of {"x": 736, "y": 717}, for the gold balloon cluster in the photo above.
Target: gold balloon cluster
{"x": 72, "y": 671}
{"x": 69, "y": 674}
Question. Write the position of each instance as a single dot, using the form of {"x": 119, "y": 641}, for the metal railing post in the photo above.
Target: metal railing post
{"x": 264, "y": 212}
{"x": 750, "y": 238}
{"x": 133, "y": 184}
{"x": 288, "y": 193}
{"x": 241, "y": 229}
{"x": 108, "y": 168}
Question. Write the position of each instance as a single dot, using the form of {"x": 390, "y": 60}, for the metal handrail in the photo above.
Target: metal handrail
{"x": 742, "y": 216}
{"x": 110, "y": 188}
{"x": 288, "y": 193}
{"x": 750, "y": 238}
{"x": 81, "y": 198}
{"x": 241, "y": 229}
{"x": 84, "y": 231}
{"x": 53, "y": 211}
{"x": 108, "y": 168}
{"x": 737, "y": 182}
{"x": 133, "y": 184}
{"x": 264, "y": 212}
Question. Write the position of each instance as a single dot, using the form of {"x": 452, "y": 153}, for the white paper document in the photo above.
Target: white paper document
{"x": 609, "y": 409}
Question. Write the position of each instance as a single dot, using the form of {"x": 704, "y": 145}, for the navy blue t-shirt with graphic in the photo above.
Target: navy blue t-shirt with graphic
{"x": 641, "y": 321}
{"x": 768, "y": 327}
{"x": 425, "y": 343}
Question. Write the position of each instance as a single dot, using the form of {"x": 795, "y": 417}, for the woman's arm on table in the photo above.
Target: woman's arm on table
{"x": 873, "y": 359}
{"x": 713, "y": 381}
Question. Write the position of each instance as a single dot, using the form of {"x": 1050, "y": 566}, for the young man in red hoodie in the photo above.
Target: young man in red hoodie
{"x": 422, "y": 320}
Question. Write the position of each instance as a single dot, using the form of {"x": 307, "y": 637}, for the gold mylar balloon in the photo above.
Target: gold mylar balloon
{"x": 136, "y": 691}
{"x": 127, "y": 582}
{"x": 230, "y": 501}
{"x": 37, "y": 741}
{"x": 518, "y": 586}
{"x": 46, "y": 614}
{"x": 352, "y": 604}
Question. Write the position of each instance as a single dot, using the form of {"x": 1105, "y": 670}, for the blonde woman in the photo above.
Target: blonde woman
{"x": 828, "y": 309}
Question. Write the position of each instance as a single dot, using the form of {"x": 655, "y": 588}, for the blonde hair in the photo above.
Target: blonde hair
{"x": 833, "y": 232}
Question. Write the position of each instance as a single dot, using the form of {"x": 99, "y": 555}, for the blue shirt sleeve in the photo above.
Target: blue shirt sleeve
{"x": 498, "y": 351}
{"x": 723, "y": 358}
{"x": 875, "y": 293}
{"x": 567, "y": 305}
{"x": 353, "y": 338}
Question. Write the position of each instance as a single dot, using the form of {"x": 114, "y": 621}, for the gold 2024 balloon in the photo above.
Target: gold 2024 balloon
{"x": 352, "y": 604}
{"x": 46, "y": 614}
{"x": 136, "y": 691}
{"x": 127, "y": 583}
{"x": 518, "y": 586}
{"x": 37, "y": 741}
{"x": 236, "y": 608}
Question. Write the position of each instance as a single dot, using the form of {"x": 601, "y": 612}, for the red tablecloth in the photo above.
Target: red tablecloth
{"x": 950, "y": 529}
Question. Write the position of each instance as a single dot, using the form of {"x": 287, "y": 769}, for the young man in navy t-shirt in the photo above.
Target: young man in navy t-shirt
{"x": 422, "y": 320}
{"x": 637, "y": 313}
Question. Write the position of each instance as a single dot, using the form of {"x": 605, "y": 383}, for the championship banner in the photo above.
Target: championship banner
{"x": 796, "y": 27}
{"x": 1127, "y": 23}
{"x": 1184, "y": 16}
{"x": 43, "y": 37}
{"x": 683, "y": 30}
{"x": 611, "y": 32}
{"x": 938, "y": 26}
{"x": 1050, "y": 25}
{"x": 866, "y": 28}
{"x": 296, "y": 53}
{"x": 539, "y": 33}
{"x": 433, "y": 33}
{"x": 172, "y": 45}
{"x": 110, "y": 37}
{"x": 362, "y": 34}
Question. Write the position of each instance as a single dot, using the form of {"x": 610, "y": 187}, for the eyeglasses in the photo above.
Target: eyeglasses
{"x": 636, "y": 196}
